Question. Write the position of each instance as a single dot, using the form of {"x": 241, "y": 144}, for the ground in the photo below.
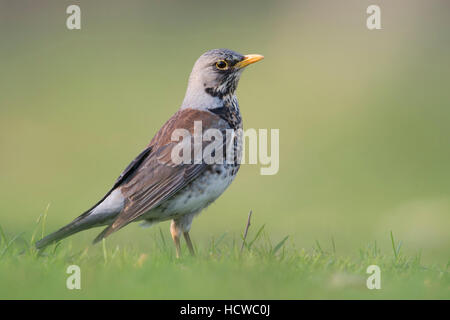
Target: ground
{"x": 265, "y": 269}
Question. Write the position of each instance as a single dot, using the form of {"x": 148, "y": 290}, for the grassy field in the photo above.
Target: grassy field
{"x": 264, "y": 269}
{"x": 364, "y": 130}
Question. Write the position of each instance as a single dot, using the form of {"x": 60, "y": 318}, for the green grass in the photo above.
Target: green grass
{"x": 265, "y": 269}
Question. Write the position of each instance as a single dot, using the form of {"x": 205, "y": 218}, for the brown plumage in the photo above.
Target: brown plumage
{"x": 157, "y": 178}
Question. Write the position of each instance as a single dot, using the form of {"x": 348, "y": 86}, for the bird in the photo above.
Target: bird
{"x": 155, "y": 188}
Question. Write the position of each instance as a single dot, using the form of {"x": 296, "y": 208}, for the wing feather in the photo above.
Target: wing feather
{"x": 157, "y": 178}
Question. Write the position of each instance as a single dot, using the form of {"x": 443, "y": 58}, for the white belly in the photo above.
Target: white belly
{"x": 195, "y": 197}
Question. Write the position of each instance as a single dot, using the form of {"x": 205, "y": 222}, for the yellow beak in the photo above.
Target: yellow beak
{"x": 249, "y": 59}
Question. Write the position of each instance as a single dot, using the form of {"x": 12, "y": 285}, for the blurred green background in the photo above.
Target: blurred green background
{"x": 363, "y": 115}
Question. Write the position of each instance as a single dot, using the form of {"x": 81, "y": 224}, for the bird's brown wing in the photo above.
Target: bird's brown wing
{"x": 158, "y": 178}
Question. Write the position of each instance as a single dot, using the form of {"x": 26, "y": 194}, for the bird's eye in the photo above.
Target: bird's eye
{"x": 221, "y": 65}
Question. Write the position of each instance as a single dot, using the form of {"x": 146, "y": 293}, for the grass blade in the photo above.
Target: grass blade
{"x": 393, "y": 245}
{"x": 318, "y": 246}
{"x": 10, "y": 243}
{"x": 244, "y": 238}
{"x": 333, "y": 245}
{"x": 279, "y": 245}
{"x": 3, "y": 236}
{"x": 162, "y": 238}
{"x": 219, "y": 240}
{"x": 44, "y": 219}
{"x": 258, "y": 234}
{"x": 105, "y": 253}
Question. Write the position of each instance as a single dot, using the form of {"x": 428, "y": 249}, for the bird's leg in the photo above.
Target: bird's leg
{"x": 175, "y": 231}
{"x": 189, "y": 242}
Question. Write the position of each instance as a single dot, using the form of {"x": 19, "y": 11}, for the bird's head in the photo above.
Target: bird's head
{"x": 215, "y": 76}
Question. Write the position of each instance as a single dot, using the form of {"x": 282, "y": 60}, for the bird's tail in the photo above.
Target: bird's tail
{"x": 79, "y": 224}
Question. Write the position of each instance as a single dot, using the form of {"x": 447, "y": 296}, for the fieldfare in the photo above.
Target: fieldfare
{"x": 156, "y": 188}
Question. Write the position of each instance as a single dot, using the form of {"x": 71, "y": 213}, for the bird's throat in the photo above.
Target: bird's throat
{"x": 229, "y": 112}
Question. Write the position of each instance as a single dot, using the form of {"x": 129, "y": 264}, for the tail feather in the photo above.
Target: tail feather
{"x": 83, "y": 222}
{"x": 107, "y": 231}
{"x": 71, "y": 228}
{"x": 101, "y": 235}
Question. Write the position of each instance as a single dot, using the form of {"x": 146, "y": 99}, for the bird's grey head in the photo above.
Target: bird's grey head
{"x": 214, "y": 78}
